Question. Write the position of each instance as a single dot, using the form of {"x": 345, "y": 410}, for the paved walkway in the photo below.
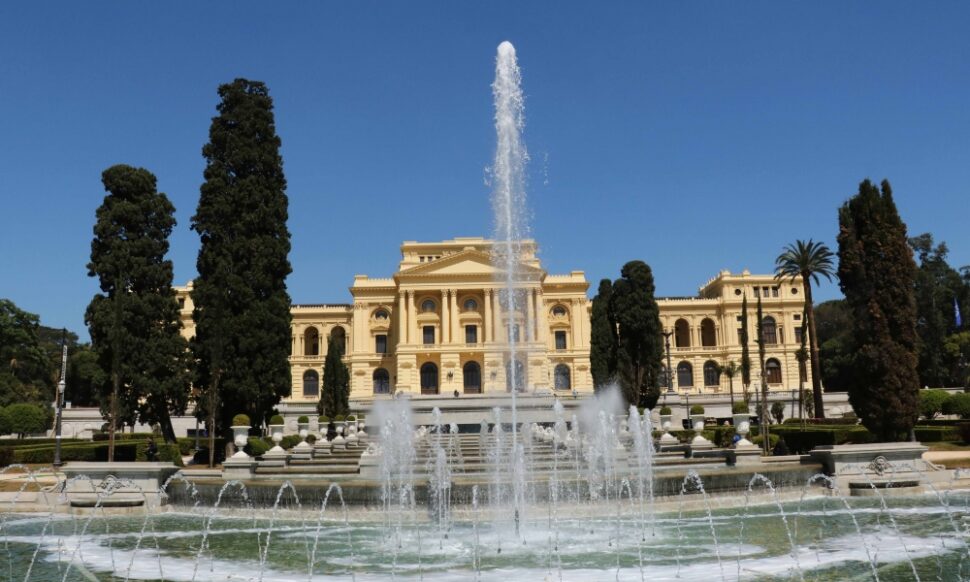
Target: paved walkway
{"x": 945, "y": 455}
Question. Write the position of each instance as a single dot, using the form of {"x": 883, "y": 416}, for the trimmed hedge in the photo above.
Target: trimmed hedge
{"x": 276, "y": 419}
{"x": 186, "y": 444}
{"x": 29, "y": 442}
{"x": 256, "y": 447}
{"x": 824, "y": 421}
{"x": 97, "y": 452}
{"x": 124, "y": 436}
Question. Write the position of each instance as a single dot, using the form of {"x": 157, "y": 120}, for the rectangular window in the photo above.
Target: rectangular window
{"x": 380, "y": 344}
{"x": 798, "y": 334}
{"x": 798, "y": 317}
{"x": 429, "y": 335}
{"x": 757, "y": 291}
{"x": 740, "y": 336}
{"x": 774, "y": 291}
{"x": 560, "y": 340}
{"x": 471, "y": 334}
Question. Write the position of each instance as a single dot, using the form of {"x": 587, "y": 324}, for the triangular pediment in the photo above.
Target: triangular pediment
{"x": 464, "y": 264}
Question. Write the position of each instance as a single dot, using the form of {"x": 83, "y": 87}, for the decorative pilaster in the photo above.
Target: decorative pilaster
{"x": 445, "y": 316}
{"x": 542, "y": 321}
{"x": 488, "y": 321}
{"x": 530, "y": 313}
{"x": 574, "y": 322}
{"x": 455, "y": 329}
{"x": 500, "y": 337}
{"x": 402, "y": 319}
{"x": 412, "y": 320}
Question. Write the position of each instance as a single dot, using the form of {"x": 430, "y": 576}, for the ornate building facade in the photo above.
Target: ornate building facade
{"x": 705, "y": 333}
{"x": 438, "y": 326}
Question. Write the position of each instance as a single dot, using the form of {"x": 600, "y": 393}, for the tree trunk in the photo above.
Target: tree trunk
{"x": 168, "y": 431}
{"x": 115, "y": 388}
{"x": 813, "y": 342}
{"x": 213, "y": 390}
{"x": 731, "y": 390}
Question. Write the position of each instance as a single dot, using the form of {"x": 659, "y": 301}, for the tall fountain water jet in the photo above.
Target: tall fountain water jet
{"x": 508, "y": 203}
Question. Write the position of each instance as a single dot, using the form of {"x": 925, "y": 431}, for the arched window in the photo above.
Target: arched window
{"x": 339, "y": 337}
{"x": 559, "y": 311}
{"x": 311, "y": 342}
{"x": 429, "y": 378}
{"x": 712, "y": 373}
{"x": 518, "y": 379}
{"x": 472, "y": 373}
{"x": 428, "y": 306}
{"x": 769, "y": 331}
{"x": 562, "y": 378}
{"x": 381, "y": 314}
{"x": 773, "y": 371}
{"x": 311, "y": 383}
{"x": 681, "y": 334}
{"x": 708, "y": 333}
{"x": 664, "y": 380}
{"x": 685, "y": 375}
{"x": 470, "y": 304}
{"x": 382, "y": 381}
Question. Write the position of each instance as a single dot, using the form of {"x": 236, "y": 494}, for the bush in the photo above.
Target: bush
{"x": 256, "y": 447}
{"x": 276, "y": 420}
{"x": 84, "y": 452}
{"x": 697, "y": 409}
{"x": 339, "y": 418}
{"x": 722, "y": 436}
{"x": 958, "y": 404}
{"x": 740, "y": 408}
{"x": 290, "y": 441}
{"x": 186, "y": 444}
{"x": 936, "y": 434}
{"x": 772, "y": 440}
{"x": 963, "y": 429}
{"x": 665, "y": 410}
{"x": 4, "y": 421}
{"x": 122, "y": 436}
{"x": 303, "y": 419}
{"x": 351, "y": 418}
{"x": 311, "y": 438}
{"x": 241, "y": 420}
{"x": 26, "y": 419}
{"x": 6, "y": 457}
{"x": 931, "y": 403}
{"x": 323, "y": 420}
{"x": 201, "y": 457}
{"x": 847, "y": 421}
{"x": 778, "y": 411}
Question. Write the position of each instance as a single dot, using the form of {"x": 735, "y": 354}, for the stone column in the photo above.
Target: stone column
{"x": 530, "y": 315}
{"x": 412, "y": 319}
{"x": 445, "y": 319}
{"x": 497, "y": 314}
{"x": 402, "y": 319}
{"x": 488, "y": 322}
{"x": 574, "y": 322}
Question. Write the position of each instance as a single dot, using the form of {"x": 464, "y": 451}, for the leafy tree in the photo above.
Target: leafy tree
{"x": 745, "y": 354}
{"x": 939, "y": 288}
{"x": 639, "y": 338}
{"x": 877, "y": 275}
{"x": 836, "y": 348}
{"x": 957, "y": 404}
{"x": 335, "y": 395}
{"x": 27, "y": 418}
{"x": 242, "y": 308}
{"x": 25, "y": 374}
{"x": 603, "y": 340}
{"x": 134, "y": 322}
{"x": 931, "y": 403}
{"x": 778, "y": 411}
{"x": 5, "y": 427}
{"x": 808, "y": 261}
{"x": 957, "y": 350}
{"x": 85, "y": 377}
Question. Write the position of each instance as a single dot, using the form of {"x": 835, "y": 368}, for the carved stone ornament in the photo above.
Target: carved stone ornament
{"x": 880, "y": 465}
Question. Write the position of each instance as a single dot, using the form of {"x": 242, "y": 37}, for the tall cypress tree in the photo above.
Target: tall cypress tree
{"x": 134, "y": 322}
{"x": 760, "y": 322}
{"x": 242, "y": 308}
{"x": 745, "y": 354}
{"x": 877, "y": 275}
{"x": 639, "y": 335}
{"x": 335, "y": 393}
{"x": 602, "y": 351}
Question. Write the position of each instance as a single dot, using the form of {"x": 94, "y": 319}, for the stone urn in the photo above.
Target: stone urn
{"x": 697, "y": 424}
{"x": 339, "y": 443}
{"x": 742, "y": 426}
{"x": 304, "y": 429}
{"x": 666, "y": 438}
{"x": 276, "y": 433}
{"x": 351, "y": 438}
{"x": 240, "y": 438}
{"x": 361, "y": 433}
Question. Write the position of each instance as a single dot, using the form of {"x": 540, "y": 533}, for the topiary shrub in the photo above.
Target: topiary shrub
{"x": 958, "y": 404}
{"x": 323, "y": 419}
{"x": 311, "y": 438}
{"x": 241, "y": 420}
{"x": 697, "y": 409}
{"x": 339, "y": 418}
{"x": 740, "y": 408}
{"x": 256, "y": 447}
{"x": 276, "y": 420}
{"x": 351, "y": 418}
{"x": 303, "y": 420}
{"x": 931, "y": 403}
{"x": 666, "y": 411}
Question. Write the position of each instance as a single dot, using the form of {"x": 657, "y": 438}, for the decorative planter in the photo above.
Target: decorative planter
{"x": 304, "y": 432}
{"x": 240, "y": 438}
{"x": 698, "y": 442}
{"x": 666, "y": 438}
{"x": 742, "y": 426}
{"x": 697, "y": 422}
{"x": 276, "y": 432}
{"x": 339, "y": 443}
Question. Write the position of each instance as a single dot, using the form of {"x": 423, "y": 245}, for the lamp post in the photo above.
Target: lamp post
{"x": 670, "y": 373}
{"x": 58, "y": 399}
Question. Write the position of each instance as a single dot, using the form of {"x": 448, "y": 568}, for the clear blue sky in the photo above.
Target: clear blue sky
{"x": 695, "y": 136}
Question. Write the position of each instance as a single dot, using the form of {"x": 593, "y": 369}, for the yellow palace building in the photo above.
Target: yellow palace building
{"x": 438, "y": 326}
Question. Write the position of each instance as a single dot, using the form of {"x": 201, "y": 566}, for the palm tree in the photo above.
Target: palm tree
{"x": 808, "y": 260}
{"x": 731, "y": 370}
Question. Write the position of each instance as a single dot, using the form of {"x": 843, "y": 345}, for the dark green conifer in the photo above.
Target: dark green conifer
{"x": 877, "y": 275}
{"x": 602, "y": 354}
{"x": 335, "y": 392}
{"x": 134, "y": 321}
{"x": 242, "y": 308}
